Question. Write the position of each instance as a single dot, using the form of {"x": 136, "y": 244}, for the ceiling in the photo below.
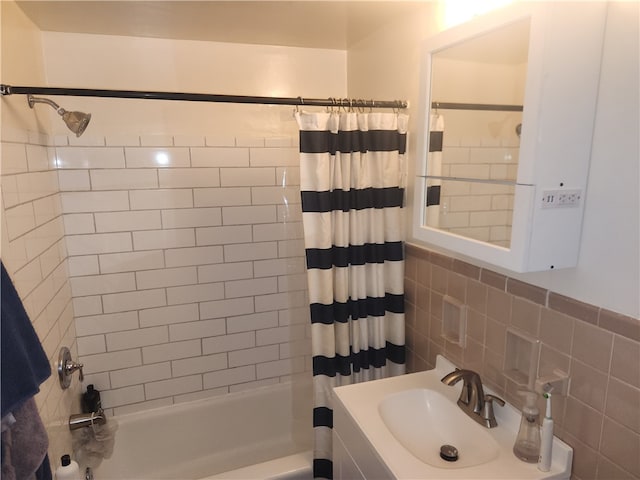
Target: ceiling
{"x": 310, "y": 24}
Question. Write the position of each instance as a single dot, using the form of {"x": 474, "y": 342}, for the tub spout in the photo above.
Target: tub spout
{"x": 81, "y": 420}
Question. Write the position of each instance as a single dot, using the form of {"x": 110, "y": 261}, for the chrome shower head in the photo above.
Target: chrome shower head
{"x": 76, "y": 121}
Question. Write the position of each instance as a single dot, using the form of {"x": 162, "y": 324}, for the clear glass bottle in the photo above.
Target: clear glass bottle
{"x": 527, "y": 446}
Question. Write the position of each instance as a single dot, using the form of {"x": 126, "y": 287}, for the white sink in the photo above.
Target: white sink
{"x": 424, "y": 420}
{"x": 393, "y": 428}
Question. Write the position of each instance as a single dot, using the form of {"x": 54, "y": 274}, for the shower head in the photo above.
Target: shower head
{"x": 76, "y": 121}
{"x": 519, "y": 130}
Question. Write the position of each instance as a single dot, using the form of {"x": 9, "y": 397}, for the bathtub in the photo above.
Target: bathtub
{"x": 263, "y": 433}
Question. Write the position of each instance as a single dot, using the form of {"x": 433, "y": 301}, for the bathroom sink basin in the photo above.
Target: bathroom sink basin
{"x": 424, "y": 420}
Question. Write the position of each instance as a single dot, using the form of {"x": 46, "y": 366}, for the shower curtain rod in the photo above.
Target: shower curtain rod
{"x": 203, "y": 97}
{"x": 476, "y": 106}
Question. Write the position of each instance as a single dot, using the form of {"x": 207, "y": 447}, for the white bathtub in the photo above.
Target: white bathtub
{"x": 258, "y": 434}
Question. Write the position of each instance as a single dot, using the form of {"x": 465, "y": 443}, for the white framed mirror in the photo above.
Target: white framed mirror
{"x": 507, "y": 108}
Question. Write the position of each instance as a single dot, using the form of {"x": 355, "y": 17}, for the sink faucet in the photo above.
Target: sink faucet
{"x": 473, "y": 400}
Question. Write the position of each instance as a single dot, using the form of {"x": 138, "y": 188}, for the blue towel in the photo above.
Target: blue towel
{"x": 23, "y": 362}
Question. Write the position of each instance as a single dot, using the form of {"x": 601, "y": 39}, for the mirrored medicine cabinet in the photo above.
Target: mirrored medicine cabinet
{"x": 507, "y": 109}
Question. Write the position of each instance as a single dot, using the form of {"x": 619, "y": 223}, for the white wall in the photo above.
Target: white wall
{"x": 608, "y": 272}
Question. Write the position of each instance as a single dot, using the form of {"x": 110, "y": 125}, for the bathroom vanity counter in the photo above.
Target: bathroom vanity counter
{"x": 365, "y": 447}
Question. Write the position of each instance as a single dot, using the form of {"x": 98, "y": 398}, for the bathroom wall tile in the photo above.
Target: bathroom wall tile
{"x": 189, "y": 177}
{"x": 225, "y": 271}
{"x": 224, "y": 235}
{"x": 551, "y": 359}
{"x": 289, "y": 213}
{"x": 220, "y": 197}
{"x": 220, "y": 140}
{"x": 499, "y": 305}
{"x": 127, "y": 221}
{"x": 279, "y": 368}
{"x": 78, "y": 223}
{"x": 90, "y": 345}
{"x": 137, "y": 338}
{"x": 249, "y": 215}
{"x": 175, "y": 386}
{"x": 526, "y": 316}
{"x": 288, "y": 176}
{"x": 97, "y": 324}
{"x": 227, "y": 343}
{"x": 131, "y": 261}
{"x": 530, "y": 292}
{"x": 457, "y": 286}
{"x": 203, "y": 364}
{"x": 101, "y": 284}
{"x": 280, "y": 142}
{"x": 10, "y": 191}
{"x": 89, "y": 157}
{"x": 31, "y": 186}
{"x": 621, "y": 445}
{"x": 256, "y": 321}
{"x": 160, "y": 199}
{"x": 229, "y": 376}
{"x": 244, "y": 288}
{"x": 263, "y": 157}
{"x": 247, "y": 177}
{"x": 476, "y": 326}
{"x": 86, "y": 265}
{"x": 272, "y": 336}
{"x": 20, "y": 220}
{"x": 243, "y": 387}
{"x": 199, "y": 329}
{"x": 258, "y": 355}
{"x": 585, "y": 459}
{"x": 171, "y": 351}
{"x": 89, "y": 202}
{"x": 188, "y": 140}
{"x": 592, "y": 346}
{"x": 291, "y": 282}
{"x": 123, "y": 179}
{"x": 290, "y": 248}
{"x": 142, "y": 374}
{"x": 623, "y": 404}
{"x": 625, "y": 360}
{"x": 157, "y": 239}
{"x": 122, "y": 396}
{"x": 169, "y": 315}
{"x": 439, "y": 278}
{"x": 47, "y": 208}
{"x": 143, "y": 406}
{"x": 156, "y": 140}
{"x": 219, "y": 157}
{"x": 191, "y": 217}
{"x": 178, "y": 257}
{"x": 87, "y": 305}
{"x": 296, "y": 315}
{"x": 588, "y": 384}
{"x": 573, "y": 308}
{"x": 104, "y": 362}
{"x": 224, "y": 308}
{"x": 279, "y": 301}
{"x": 275, "y": 195}
{"x": 98, "y": 243}
{"x": 195, "y": 293}
{"x": 157, "y": 157}
{"x": 477, "y": 296}
{"x": 86, "y": 141}
{"x": 14, "y": 158}
{"x": 279, "y": 266}
{"x": 621, "y": 324}
{"x": 168, "y": 277}
{"x": 121, "y": 302}
{"x": 556, "y": 330}
{"x": 583, "y": 422}
{"x": 253, "y": 251}
{"x": 609, "y": 471}
{"x": 493, "y": 279}
{"x": 495, "y": 336}
{"x": 74, "y": 180}
{"x": 246, "y": 141}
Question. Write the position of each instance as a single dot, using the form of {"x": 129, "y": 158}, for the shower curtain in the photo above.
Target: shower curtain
{"x": 352, "y": 177}
{"x": 434, "y": 169}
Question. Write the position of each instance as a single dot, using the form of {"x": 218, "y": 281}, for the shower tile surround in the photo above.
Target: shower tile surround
{"x": 599, "y": 349}
{"x": 34, "y": 253}
{"x": 186, "y": 263}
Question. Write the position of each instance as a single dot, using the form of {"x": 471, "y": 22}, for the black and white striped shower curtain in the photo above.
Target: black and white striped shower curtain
{"x": 352, "y": 185}
{"x": 434, "y": 169}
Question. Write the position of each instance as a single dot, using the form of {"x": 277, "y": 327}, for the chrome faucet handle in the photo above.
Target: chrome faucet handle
{"x": 66, "y": 366}
{"x": 487, "y": 410}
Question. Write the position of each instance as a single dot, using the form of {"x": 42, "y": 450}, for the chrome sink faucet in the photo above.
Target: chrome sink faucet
{"x": 473, "y": 400}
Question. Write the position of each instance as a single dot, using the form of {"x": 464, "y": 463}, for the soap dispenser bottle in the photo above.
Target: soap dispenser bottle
{"x": 527, "y": 446}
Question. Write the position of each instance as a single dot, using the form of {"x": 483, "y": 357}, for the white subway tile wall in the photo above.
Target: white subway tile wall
{"x": 35, "y": 255}
{"x": 186, "y": 263}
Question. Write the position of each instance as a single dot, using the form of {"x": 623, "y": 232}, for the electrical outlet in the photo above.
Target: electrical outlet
{"x": 561, "y": 198}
